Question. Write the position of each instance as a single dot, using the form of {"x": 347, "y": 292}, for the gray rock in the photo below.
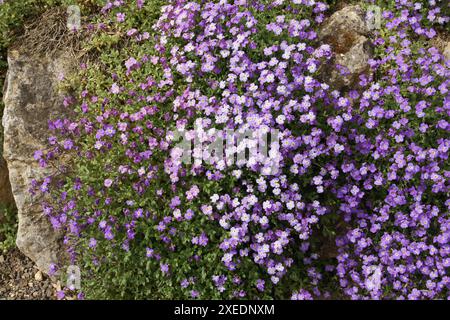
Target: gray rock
{"x": 31, "y": 99}
{"x": 347, "y": 33}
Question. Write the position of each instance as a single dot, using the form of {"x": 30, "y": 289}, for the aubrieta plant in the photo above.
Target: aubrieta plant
{"x": 365, "y": 169}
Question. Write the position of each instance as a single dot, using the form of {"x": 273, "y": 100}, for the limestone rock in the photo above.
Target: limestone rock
{"x": 31, "y": 99}
{"x": 347, "y": 33}
{"x": 6, "y": 197}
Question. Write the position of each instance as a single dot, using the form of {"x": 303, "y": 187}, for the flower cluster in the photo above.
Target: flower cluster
{"x": 398, "y": 204}
{"x": 368, "y": 165}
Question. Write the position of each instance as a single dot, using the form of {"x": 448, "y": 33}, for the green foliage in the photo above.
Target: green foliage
{"x": 8, "y": 228}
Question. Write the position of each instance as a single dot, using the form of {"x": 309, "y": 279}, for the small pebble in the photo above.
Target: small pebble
{"x": 38, "y": 276}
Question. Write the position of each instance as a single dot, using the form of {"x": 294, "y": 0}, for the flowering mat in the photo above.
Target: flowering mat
{"x": 252, "y": 149}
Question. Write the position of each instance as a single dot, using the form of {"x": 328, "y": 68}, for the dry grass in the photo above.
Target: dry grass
{"x": 48, "y": 34}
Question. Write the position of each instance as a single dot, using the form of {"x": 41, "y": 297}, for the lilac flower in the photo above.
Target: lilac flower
{"x": 92, "y": 243}
{"x": 60, "y": 295}
{"x": 38, "y": 154}
{"x": 108, "y": 183}
{"x": 164, "y": 268}
{"x": 260, "y": 285}
{"x": 131, "y": 63}
{"x": 120, "y": 17}
{"x": 201, "y": 240}
{"x": 68, "y": 144}
{"x": 53, "y": 269}
{"x": 150, "y": 252}
{"x": 115, "y": 88}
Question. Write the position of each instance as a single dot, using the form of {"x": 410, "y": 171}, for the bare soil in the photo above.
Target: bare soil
{"x": 21, "y": 280}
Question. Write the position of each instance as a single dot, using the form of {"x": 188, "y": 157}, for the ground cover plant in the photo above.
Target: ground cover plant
{"x": 365, "y": 169}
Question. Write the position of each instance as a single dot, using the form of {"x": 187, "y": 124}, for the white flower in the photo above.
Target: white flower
{"x": 214, "y": 198}
{"x": 115, "y": 88}
{"x": 264, "y": 220}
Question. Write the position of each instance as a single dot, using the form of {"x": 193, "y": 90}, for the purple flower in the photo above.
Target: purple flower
{"x": 108, "y": 183}
{"x": 60, "y": 295}
{"x": 164, "y": 268}
{"x": 260, "y": 285}
{"x": 201, "y": 240}
{"x": 120, "y": 17}
{"x": 68, "y": 144}
{"x": 115, "y": 88}
{"x": 131, "y": 63}
{"x": 92, "y": 243}
{"x": 38, "y": 154}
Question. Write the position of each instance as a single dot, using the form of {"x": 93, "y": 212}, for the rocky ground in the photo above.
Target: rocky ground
{"x": 21, "y": 280}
